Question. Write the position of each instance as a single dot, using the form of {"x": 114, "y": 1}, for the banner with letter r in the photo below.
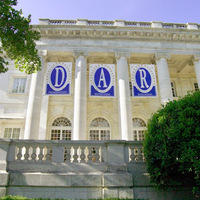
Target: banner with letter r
{"x": 143, "y": 80}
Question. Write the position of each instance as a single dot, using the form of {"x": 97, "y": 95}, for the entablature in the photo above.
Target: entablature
{"x": 119, "y": 29}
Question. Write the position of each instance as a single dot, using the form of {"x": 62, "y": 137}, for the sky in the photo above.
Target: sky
{"x": 174, "y": 11}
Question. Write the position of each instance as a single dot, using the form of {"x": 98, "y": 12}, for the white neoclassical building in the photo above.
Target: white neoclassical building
{"x": 100, "y": 80}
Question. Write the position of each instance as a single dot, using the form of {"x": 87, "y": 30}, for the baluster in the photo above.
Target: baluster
{"x": 82, "y": 156}
{"x": 96, "y": 155}
{"x": 75, "y": 156}
{"x": 26, "y": 153}
{"x": 33, "y": 155}
{"x": 136, "y": 152}
{"x": 19, "y": 154}
{"x": 41, "y": 154}
{"x": 142, "y": 154}
{"x": 48, "y": 154}
{"x": 139, "y": 157}
{"x": 132, "y": 155}
{"x": 67, "y": 155}
{"x": 90, "y": 154}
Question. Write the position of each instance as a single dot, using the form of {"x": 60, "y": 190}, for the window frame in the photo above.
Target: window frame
{"x": 12, "y": 82}
{"x": 12, "y": 131}
{"x": 138, "y": 129}
{"x": 100, "y": 129}
{"x": 61, "y": 129}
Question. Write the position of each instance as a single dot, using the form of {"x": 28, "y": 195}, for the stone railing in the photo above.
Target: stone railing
{"x": 120, "y": 23}
{"x": 112, "y": 153}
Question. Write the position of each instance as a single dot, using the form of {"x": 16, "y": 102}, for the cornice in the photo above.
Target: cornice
{"x": 122, "y": 33}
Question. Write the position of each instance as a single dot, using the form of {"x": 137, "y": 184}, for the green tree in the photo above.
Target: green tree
{"x": 172, "y": 144}
{"x": 17, "y": 39}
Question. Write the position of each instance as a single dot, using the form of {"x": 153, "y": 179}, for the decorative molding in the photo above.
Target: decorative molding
{"x": 80, "y": 53}
{"x": 119, "y": 55}
{"x": 158, "y": 56}
{"x": 43, "y": 53}
{"x": 196, "y": 58}
{"x": 100, "y": 32}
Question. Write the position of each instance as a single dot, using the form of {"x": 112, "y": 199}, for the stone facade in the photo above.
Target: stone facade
{"x": 172, "y": 48}
{"x": 81, "y": 167}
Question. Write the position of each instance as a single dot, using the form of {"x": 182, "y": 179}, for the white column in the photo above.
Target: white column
{"x": 164, "y": 78}
{"x": 34, "y": 102}
{"x": 80, "y": 97}
{"x": 125, "y": 111}
{"x": 197, "y": 67}
{"x": 43, "y": 117}
{"x": 29, "y": 114}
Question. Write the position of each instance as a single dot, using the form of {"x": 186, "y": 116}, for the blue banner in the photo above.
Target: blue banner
{"x": 143, "y": 79}
{"x": 58, "y": 78}
{"x": 102, "y": 80}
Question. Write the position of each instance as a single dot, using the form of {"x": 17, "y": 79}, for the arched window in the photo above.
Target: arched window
{"x": 99, "y": 129}
{"x": 61, "y": 129}
{"x": 139, "y": 126}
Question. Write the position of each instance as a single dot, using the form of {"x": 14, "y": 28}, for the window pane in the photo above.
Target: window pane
{"x": 7, "y": 133}
{"x": 66, "y": 135}
{"x": 99, "y": 122}
{"x": 19, "y": 85}
{"x": 196, "y": 87}
{"x": 55, "y": 135}
{"x": 62, "y": 121}
{"x": 135, "y": 135}
{"x": 22, "y": 85}
{"x": 15, "y": 85}
{"x": 105, "y": 135}
{"x": 173, "y": 89}
{"x": 141, "y": 135}
{"x": 94, "y": 135}
{"x": 16, "y": 133}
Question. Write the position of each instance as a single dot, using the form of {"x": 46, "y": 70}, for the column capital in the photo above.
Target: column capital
{"x": 80, "y": 53}
{"x": 43, "y": 53}
{"x": 119, "y": 55}
{"x": 158, "y": 56}
{"x": 196, "y": 58}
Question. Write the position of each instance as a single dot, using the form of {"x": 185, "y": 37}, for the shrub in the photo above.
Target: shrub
{"x": 172, "y": 144}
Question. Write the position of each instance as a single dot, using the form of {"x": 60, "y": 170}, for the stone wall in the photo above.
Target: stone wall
{"x": 78, "y": 170}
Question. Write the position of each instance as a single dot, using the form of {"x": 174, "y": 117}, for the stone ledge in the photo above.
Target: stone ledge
{"x": 3, "y": 178}
{"x": 71, "y": 180}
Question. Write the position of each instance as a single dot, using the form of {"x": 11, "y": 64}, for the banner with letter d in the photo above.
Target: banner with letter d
{"x": 58, "y": 80}
{"x": 143, "y": 79}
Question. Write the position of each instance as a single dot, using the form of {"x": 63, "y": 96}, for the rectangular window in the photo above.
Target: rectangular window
{"x": 12, "y": 133}
{"x": 19, "y": 85}
{"x": 196, "y": 86}
{"x": 173, "y": 89}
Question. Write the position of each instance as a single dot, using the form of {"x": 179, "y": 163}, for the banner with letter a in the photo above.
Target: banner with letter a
{"x": 102, "y": 80}
{"x": 58, "y": 80}
{"x": 143, "y": 79}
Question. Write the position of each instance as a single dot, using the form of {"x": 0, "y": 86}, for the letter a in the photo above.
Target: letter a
{"x": 143, "y": 78}
{"x": 102, "y": 78}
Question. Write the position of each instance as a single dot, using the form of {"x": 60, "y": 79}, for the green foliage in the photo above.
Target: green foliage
{"x": 172, "y": 145}
{"x": 17, "y": 39}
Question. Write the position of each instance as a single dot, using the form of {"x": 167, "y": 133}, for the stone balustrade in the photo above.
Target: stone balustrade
{"x": 107, "y": 153}
{"x": 122, "y": 23}
{"x": 78, "y": 170}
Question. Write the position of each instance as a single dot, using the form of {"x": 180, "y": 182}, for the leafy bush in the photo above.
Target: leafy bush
{"x": 172, "y": 144}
